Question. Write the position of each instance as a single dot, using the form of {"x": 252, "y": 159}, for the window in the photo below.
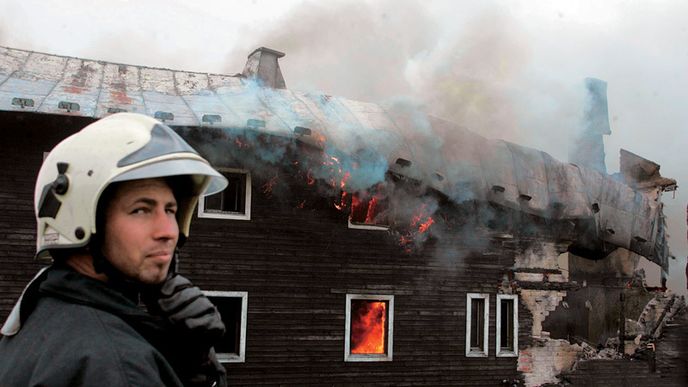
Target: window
{"x": 369, "y": 210}
{"x": 369, "y": 327}
{"x": 232, "y": 203}
{"x": 233, "y": 308}
{"x": 477, "y": 317}
{"x": 507, "y": 325}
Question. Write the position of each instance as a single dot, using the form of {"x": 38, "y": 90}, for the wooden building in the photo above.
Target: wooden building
{"x": 356, "y": 244}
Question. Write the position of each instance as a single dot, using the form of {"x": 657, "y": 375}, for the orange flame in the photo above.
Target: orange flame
{"x": 420, "y": 224}
{"x": 241, "y": 144}
{"x": 426, "y": 225}
{"x": 269, "y": 185}
{"x": 368, "y": 327}
{"x": 372, "y": 207}
{"x": 320, "y": 140}
{"x": 345, "y": 178}
{"x": 342, "y": 202}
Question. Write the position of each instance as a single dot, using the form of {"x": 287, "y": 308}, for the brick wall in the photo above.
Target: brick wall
{"x": 546, "y": 359}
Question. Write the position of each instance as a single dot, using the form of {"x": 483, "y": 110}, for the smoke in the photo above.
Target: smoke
{"x": 355, "y": 49}
{"x": 482, "y": 74}
{"x": 475, "y": 68}
{"x": 467, "y": 79}
{"x": 400, "y": 57}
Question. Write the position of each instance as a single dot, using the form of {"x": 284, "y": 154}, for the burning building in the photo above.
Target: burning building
{"x": 368, "y": 244}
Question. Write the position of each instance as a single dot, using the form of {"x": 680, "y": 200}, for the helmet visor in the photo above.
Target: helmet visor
{"x": 201, "y": 172}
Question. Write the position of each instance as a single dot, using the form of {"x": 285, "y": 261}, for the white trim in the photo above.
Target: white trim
{"x": 486, "y": 319}
{"x": 363, "y": 226}
{"x": 499, "y": 351}
{"x": 246, "y": 215}
{"x": 241, "y": 356}
{"x": 348, "y": 356}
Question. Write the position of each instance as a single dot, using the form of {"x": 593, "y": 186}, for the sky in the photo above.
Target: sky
{"x": 504, "y": 69}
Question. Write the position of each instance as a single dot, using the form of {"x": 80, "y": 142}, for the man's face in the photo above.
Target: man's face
{"x": 141, "y": 230}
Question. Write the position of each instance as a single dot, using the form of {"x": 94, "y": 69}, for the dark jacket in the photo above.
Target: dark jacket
{"x": 81, "y": 332}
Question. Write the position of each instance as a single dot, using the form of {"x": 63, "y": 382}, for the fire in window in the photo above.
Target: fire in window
{"x": 507, "y": 325}
{"x": 233, "y": 309}
{"x": 234, "y": 202}
{"x": 369, "y": 210}
{"x": 477, "y": 318}
{"x": 369, "y": 322}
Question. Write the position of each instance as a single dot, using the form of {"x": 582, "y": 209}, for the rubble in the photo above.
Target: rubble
{"x": 658, "y": 312}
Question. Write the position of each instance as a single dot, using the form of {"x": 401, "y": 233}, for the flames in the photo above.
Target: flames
{"x": 363, "y": 209}
{"x": 368, "y": 327}
{"x": 421, "y": 221}
{"x": 338, "y": 179}
{"x": 269, "y": 185}
{"x": 366, "y": 208}
{"x": 241, "y": 143}
{"x": 367, "y": 194}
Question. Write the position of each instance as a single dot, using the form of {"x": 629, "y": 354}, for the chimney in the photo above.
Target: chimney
{"x": 588, "y": 148}
{"x": 263, "y": 65}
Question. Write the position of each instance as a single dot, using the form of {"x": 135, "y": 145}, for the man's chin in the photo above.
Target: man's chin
{"x": 153, "y": 278}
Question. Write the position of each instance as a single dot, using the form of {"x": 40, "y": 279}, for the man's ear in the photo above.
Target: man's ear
{"x": 95, "y": 249}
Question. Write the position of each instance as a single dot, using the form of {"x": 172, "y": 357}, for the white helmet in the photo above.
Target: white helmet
{"x": 120, "y": 147}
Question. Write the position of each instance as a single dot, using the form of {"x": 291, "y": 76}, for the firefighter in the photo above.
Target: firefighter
{"x": 113, "y": 203}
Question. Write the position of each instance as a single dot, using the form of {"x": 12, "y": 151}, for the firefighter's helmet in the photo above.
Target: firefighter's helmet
{"x": 120, "y": 147}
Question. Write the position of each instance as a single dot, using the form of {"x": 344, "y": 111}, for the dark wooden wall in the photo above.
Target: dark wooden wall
{"x": 23, "y": 139}
{"x": 297, "y": 265}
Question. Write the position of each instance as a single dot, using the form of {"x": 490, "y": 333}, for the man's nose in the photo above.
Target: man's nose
{"x": 165, "y": 225}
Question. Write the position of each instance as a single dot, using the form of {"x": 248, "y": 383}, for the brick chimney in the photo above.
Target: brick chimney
{"x": 263, "y": 65}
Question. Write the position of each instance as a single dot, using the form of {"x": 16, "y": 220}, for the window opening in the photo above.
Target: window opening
{"x": 234, "y": 202}
{"x": 233, "y": 309}
{"x": 507, "y": 325}
{"x": 477, "y": 318}
{"x": 369, "y": 323}
{"x": 369, "y": 210}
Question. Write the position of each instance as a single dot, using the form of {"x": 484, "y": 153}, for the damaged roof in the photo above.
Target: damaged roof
{"x": 461, "y": 164}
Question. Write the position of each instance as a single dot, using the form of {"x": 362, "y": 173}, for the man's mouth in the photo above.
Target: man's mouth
{"x": 162, "y": 254}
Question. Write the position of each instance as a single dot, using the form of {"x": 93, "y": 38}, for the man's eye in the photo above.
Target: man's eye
{"x": 141, "y": 210}
{"x": 172, "y": 211}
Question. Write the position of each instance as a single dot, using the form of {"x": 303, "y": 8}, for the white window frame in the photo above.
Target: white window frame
{"x": 230, "y": 215}
{"x": 362, "y": 226}
{"x": 241, "y": 356}
{"x": 486, "y": 324}
{"x": 499, "y": 351}
{"x": 348, "y": 356}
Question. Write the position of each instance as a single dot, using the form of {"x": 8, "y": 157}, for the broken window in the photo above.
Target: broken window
{"x": 477, "y": 317}
{"x": 507, "y": 325}
{"x": 369, "y": 210}
{"x": 233, "y": 309}
{"x": 369, "y": 322}
{"x": 234, "y": 202}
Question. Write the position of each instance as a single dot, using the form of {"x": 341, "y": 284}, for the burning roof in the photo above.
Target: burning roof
{"x": 397, "y": 138}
